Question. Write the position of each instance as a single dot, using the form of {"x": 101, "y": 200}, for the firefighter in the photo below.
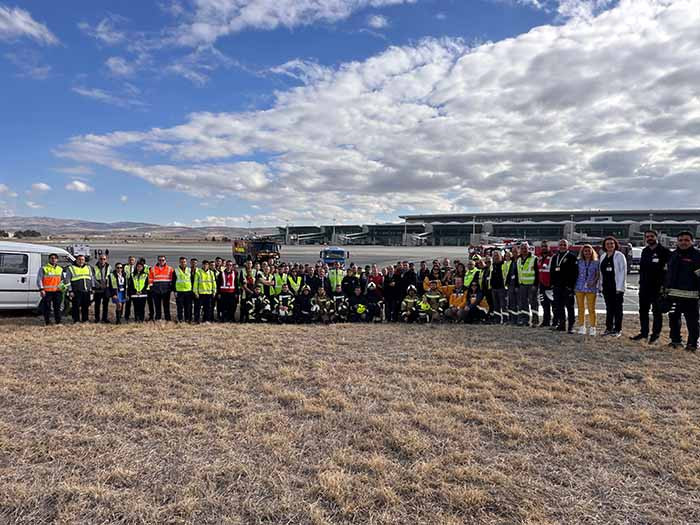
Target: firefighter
{"x": 409, "y": 306}
{"x": 435, "y": 301}
{"x": 303, "y": 305}
{"x": 357, "y": 306}
{"x": 323, "y": 307}
{"x": 497, "y": 284}
{"x": 683, "y": 289}
{"x": 375, "y": 305}
{"x": 258, "y": 306}
{"x": 340, "y": 304}
{"x": 283, "y": 305}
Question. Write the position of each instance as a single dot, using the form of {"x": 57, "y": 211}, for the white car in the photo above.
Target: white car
{"x": 19, "y": 266}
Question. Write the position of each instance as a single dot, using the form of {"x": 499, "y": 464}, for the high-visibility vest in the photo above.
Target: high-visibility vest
{"x": 469, "y": 277}
{"x": 114, "y": 281}
{"x": 228, "y": 282}
{"x": 80, "y": 273}
{"x": 98, "y": 272}
{"x": 335, "y": 277}
{"x": 184, "y": 280}
{"x": 140, "y": 281}
{"x": 51, "y": 281}
{"x": 506, "y": 270}
{"x": 526, "y": 270}
{"x": 160, "y": 274}
{"x": 280, "y": 279}
{"x": 205, "y": 282}
{"x": 128, "y": 270}
{"x": 295, "y": 284}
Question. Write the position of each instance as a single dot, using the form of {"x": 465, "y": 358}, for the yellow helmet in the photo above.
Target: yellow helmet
{"x": 361, "y": 308}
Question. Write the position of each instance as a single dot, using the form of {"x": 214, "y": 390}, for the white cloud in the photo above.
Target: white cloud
{"x": 377, "y": 21}
{"x": 34, "y": 205}
{"x": 79, "y": 186}
{"x": 591, "y": 113}
{"x": 41, "y": 186}
{"x": 124, "y": 199}
{"x": 76, "y": 170}
{"x": 29, "y": 63}
{"x": 17, "y": 23}
{"x": 105, "y": 31}
{"x": 106, "y": 97}
{"x": 118, "y": 66}
{"x": 213, "y": 19}
{"x": 4, "y": 188}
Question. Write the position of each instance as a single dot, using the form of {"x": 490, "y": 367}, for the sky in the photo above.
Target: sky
{"x": 230, "y": 112}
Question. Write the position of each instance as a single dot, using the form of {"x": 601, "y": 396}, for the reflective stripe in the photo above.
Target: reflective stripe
{"x": 140, "y": 282}
{"x": 469, "y": 277}
{"x": 80, "y": 273}
{"x": 526, "y": 271}
{"x": 683, "y": 294}
{"x": 51, "y": 280}
{"x": 205, "y": 282}
{"x": 184, "y": 280}
{"x": 162, "y": 274}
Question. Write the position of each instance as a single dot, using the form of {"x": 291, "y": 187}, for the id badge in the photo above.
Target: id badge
{"x": 609, "y": 269}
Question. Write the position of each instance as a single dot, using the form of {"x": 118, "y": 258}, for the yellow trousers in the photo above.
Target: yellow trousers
{"x": 583, "y": 300}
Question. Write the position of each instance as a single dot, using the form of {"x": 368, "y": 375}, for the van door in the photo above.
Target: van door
{"x": 14, "y": 280}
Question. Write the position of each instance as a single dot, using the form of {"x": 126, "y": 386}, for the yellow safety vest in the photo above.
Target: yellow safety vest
{"x": 526, "y": 270}
{"x": 51, "y": 282}
{"x": 205, "y": 282}
{"x": 469, "y": 277}
{"x": 80, "y": 273}
{"x": 184, "y": 280}
{"x": 140, "y": 281}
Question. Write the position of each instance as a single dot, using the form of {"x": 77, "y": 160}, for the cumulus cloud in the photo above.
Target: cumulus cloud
{"x": 377, "y": 21}
{"x": 17, "y": 23}
{"x": 590, "y": 113}
{"x": 79, "y": 186}
{"x": 41, "y": 186}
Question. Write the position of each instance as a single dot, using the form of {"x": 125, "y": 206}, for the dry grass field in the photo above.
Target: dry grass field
{"x": 344, "y": 424}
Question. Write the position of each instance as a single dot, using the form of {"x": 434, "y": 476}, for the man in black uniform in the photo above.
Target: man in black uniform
{"x": 652, "y": 275}
{"x": 683, "y": 289}
{"x": 563, "y": 273}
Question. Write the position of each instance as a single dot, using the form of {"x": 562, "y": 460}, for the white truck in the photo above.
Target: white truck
{"x": 19, "y": 266}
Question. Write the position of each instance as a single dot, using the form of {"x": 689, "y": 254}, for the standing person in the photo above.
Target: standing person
{"x": 128, "y": 270}
{"x": 118, "y": 290}
{"x": 545, "y": 286}
{"x": 161, "y": 279}
{"x": 227, "y": 291}
{"x": 683, "y": 288}
{"x": 247, "y": 288}
{"x": 101, "y": 295}
{"x": 613, "y": 281}
{"x": 138, "y": 291}
{"x": 391, "y": 295}
{"x": 587, "y": 288}
{"x": 216, "y": 300}
{"x": 526, "y": 271}
{"x": 423, "y": 274}
{"x": 196, "y": 308}
{"x": 563, "y": 272}
{"x": 511, "y": 287}
{"x": 48, "y": 281}
{"x": 149, "y": 291}
{"x": 497, "y": 285}
{"x": 205, "y": 291}
{"x": 182, "y": 283}
{"x": 652, "y": 277}
{"x": 295, "y": 281}
{"x": 349, "y": 283}
{"x": 335, "y": 275}
{"x": 79, "y": 280}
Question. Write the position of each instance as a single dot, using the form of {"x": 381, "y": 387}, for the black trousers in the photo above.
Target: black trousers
{"x": 547, "y": 307}
{"x": 81, "y": 307}
{"x": 649, "y": 299}
{"x": 244, "y": 310}
{"x": 101, "y": 303}
{"x": 687, "y": 308}
{"x": 227, "y": 304}
{"x": 206, "y": 302}
{"x": 52, "y": 300}
{"x": 139, "y": 309}
{"x": 564, "y": 307}
{"x": 151, "y": 308}
{"x": 613, "y": 310}
{"x": 161, "y": 301}
{"x": 183, "y": 302}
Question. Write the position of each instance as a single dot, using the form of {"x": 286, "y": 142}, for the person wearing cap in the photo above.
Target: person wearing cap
{"x": 258, "y": 306}
{"x": 283, "y": 305}
{"x": 205, "y": 290}
{"x": 527, "y": 282}
{"x": 49, "y": 281}
{"x": 137, "y": 290}
{"x": 409, "y": 306}
{"x": 303, "y": 307}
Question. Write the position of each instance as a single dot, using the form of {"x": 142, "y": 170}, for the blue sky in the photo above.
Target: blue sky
{"x": 225, "y": 111}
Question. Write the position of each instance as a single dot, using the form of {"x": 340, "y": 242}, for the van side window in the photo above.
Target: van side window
{"x": 14, "y": 263}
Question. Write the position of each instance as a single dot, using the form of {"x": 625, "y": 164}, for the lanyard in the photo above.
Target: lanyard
{"x": 560, "y": 258}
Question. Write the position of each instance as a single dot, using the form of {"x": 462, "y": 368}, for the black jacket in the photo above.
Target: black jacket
{"x": 652, "y": 268}
{"x": 563, "y": 270}
{"x": 349, "y": 283}
{"x": 683, "y": 276}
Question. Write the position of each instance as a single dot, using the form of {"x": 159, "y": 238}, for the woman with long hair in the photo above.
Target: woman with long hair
{"x": 613, "y": 281}
{"x": 587, "y": 288}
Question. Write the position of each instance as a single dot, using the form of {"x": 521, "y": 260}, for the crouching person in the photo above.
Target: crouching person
{"x": 302, "y": 306}
{"x": 477, "y": 308}
{"x": 283, "y": 305}
{"x": 258, "y": 306}
{"x": 322, "y": 307}
{"x": 435, "y": 302}
{"x": 409, "y": 306}
{"x": 375, "y": 305}
{"x": 340, "y": 305}
{"x": 458, "y": 300}
{"x": 357, "y": 307}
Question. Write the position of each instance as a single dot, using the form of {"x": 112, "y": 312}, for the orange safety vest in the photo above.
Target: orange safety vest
{"x": 160, "y": 274}
{"x": 52, "y": 278}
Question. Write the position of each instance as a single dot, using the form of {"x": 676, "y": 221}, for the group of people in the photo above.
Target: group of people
{"x": 503, "y": 286}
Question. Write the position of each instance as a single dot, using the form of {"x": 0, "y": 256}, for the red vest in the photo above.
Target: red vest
{"x": 228, "y": 282}
{"x": 543, "y": 264}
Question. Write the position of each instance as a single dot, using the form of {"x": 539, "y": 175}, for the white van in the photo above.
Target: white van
{"x": 19, "y": 266}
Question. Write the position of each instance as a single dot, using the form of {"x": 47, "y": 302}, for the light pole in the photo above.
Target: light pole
{"x": 286, "y": 232}
{"x": 333, "y": 236}
{"x": 405, "y": 231}
{"x": 651, "y": 221}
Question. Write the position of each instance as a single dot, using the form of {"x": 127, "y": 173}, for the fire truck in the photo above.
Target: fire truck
{"x": 257, "y": 250}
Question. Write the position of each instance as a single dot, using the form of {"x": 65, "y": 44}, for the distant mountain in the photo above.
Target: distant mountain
{"x": 79, "y": 228}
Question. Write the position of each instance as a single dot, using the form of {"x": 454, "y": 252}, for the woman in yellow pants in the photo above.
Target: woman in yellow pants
{"x": 587, "y": 288}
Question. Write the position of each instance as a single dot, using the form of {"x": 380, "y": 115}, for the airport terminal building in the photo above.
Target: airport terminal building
{"x": 463, "y": 228}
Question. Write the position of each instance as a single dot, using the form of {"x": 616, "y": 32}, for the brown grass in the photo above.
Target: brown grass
{"x": 344, "y": 424}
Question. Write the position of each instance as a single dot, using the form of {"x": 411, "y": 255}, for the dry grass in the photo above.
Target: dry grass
{"x": 344, "y": 424}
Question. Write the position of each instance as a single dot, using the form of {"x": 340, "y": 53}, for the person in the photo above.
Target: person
{"x": 509, "y": 270}
{"x": 205, "y": 290}
{"x": 335, "y": 275}
{"x": 161, "y": 278}
{"x": 101, "y": 295}
{"x": 295, "y": 281}
{"x": 526, "y": 272}
{"x": 138, "y": 291}
{"x": 196, "y": 307}
{"x": 149, "y": 291}
{"x": 587, "y": 288}
{"x": 216, "y": 300}
{"x": 258, "y": 306}
{"x": 303, "y": 308}
{"x": 683, "y": 289}
{"x": 248, "y": 277}
{"x": 475, "y": 310}
{"x": 340, "y": 304}
{"x": 613, "y": 281}
{"x": 79, "y": 280}
{"x": 563, "y": 274}
{"x": 129, "y": 268}
{"x": 497, "y": 284}
{"x": 652, "y": 277}
{"x": 375, "y": 305}
{"x": 456, "y": 302}
{"x": 283, "y": 305}
{"x": 322, "y": 306}
{"x": 357, "y": 306}
{"x": 436, "y": 302}
{"x": 118, "y": 290}
{"x": 545, "y": 294}
{"x": 392, "y": 300}
{"x": 49, "y": 281}
{"x": 350, "y": 282}
{"x": 423, "y": 273}
{"x": 409, "y": 306}
{"x": 182, "y": 283}
{"x": 227, "y": 291}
